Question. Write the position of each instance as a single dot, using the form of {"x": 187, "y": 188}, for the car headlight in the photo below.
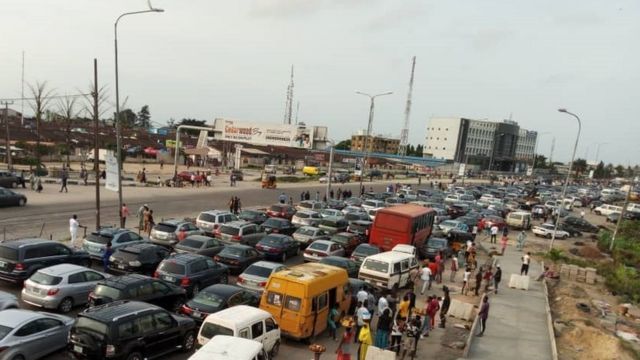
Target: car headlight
{"x": 112, "y": 259}
{"x": 135, "y": 263}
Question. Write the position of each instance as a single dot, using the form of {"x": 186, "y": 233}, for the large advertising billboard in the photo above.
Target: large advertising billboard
{"x": 298, "y": 136}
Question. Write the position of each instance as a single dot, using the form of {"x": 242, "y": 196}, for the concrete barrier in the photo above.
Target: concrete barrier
{"x": 472, "y": 333}
{"x": 552, "y": 336}
{"x": 517, "y": 281}
{"x": 461, "y": 310}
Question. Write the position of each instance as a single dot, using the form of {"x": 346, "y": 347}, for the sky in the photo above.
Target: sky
{"x": 204, "y": 59}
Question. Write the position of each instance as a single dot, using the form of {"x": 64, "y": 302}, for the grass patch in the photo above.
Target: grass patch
{"x": 558, "y": 256}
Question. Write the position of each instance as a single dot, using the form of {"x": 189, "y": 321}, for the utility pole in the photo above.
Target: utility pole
{"x": 624, "y": 209}
{"x": 22, "y": 94}
{"x": 404, "y": 133}
{"x": 96, "y": 124}
{"x": 7, "y": 142}
{"x": 288, "y": 108}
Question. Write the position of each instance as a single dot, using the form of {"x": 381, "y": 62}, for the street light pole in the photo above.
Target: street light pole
{"x": 566, "y": 181}
{"x": 598, "y": 151}
{"x": 329, "y": 170}
{"x": 370, "y": 124}
{"x": 117, "y": 119}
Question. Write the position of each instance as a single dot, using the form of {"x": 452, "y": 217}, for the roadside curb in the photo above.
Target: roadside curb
{"x": 547, "y": 308}
{"x": 472, "y": 332}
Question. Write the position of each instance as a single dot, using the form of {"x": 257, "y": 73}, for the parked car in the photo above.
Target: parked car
{"x": 253, "y": 216}
{"x": 30, "y": 334}
{"x": 218, "y": 297}
{"x": 362, "y": 251}
{"x": 357, "y": 216}
{"x": 307, "y": 234}
{"x": 335, "y": 204}
{"x": 8, "y": 301}
{"x": 240, "y": 232}
{"x": 142, "y": 258}
{"x": 573, "y": 232}
{"x": 449, "y": 225}
{"x": 199, "y": 244}
{"x": 192, "y": 272}
{"x": 329, "y": 212}
{"x": 186, "y": 175}
{"x": 332, "y": 225}
{"x": 489, "y": 221}
{"x": 278, "y": 226}
{"x": 61, "y": 287}
{"x": 238, "y": 174}
{"x": 352, "y": 209}
{"x": 96, "y": 242}
{"x": 351, "y": 267}
{"x": 436, "y": 245}
{"x": 170, "y": 232}
{"x": 278, "y": 247}
{"x": 306, "y": 218}
{"x": 360, "y": 227}
{"x": 322, "y": 248}
{"x": 311, "y": 205}
{"x": 281, "y": 211}
{"x": 255, "y": 276}
{"x": 19, "y": 259}
{"x": 546, "y": 230}
{"x": 209, "y": 221}
{"x": 130, "y": 330}
{"x": 8, "y": 180}
{"x": 581, "y": 224}
{"x": 138, "y": 287}
{"x": 349, "y": 241}
{"x": 11, "y": 198}
{"x": 238, "y": 257}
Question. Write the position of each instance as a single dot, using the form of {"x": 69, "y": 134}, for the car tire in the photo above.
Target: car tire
{"x": 14, "y": 185}
{"x": 18, "y": 357}
{"x": 135, "y": 355}
{"x": 189, "y": 341}
{"x": 224, "y": 279}
{"x": 66, "y": 305}
{"x": 284, "y": 257}
{"x": 22, "y": 202}
{"x": 195, "y": 289}
{"x": 564, "y": 237}
{"x": 275, "y": 349}
{"x": 548, "y": 236}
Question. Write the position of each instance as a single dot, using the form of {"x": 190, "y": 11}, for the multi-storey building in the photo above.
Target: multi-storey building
{"x": 375, "y": 143}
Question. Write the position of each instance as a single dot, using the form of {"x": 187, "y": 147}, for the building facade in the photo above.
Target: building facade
{"x": 499, "y": 146}
{"x": 375, "y": 143}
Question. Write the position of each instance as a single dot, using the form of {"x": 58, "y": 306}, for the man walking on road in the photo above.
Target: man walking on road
{"x": 497, "y": 277}
{"x": 425, "y": 276}
{"x": 526, "y": 259}
{"x": 140, "y": 216}
{"x": 124, "y": 212}
{"x": 478, "y": 280}
{"x": 494, "y": 234}
{"x": 74, "y": 224}
{"x": 483, "y": 314}
{"x": 64, "y": 178}
{"x": 522, "y": 237}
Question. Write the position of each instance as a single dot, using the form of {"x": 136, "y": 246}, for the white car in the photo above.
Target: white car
{"x": 606, "y": 209}
{"x": 322, "y": 248}
{"x": 372, "y": 213}
{"x": 351, "y": 209}
{"x": 306, "y": 218}
{"x": 546, "y": 230}
{"x": 372, "y": 204}
{"x": 330, "y": 212}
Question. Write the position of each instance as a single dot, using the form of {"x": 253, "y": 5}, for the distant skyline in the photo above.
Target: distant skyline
{"x": 491, "y": 60}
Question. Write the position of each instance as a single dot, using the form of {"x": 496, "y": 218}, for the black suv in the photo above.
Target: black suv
{"x": 138, "y": 287}
{"x": 21, "y": 258}
{"x": 140, "y": 258}
{"x": 192, "y": 272}
{"x": 130, "y": 330}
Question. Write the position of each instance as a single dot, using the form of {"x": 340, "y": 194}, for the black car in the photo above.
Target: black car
{"x": 8, "y": 179}
{"x": 140, "y": 258}
{"x": 335, "y": 204}
{"x": 253, "y": 216}
{"x": 199, "y": 244}
{"x": 138, "y": 287}
{"x": 362, "y": 251}
{"x": 349, "y": 265}
{"x": 239, "y": 176}
{"x": 581, "y": 224}
{"x": 11, "y": 198}
{"x": 356, "y": 216}
{"x": 238, "y": 257}
{"x": 573, "y": 232}
{"x": 278, "y": 226}
{"x": 21, "y": 258}
{"x": 130, "y": 330}
{"x": 192, "y": 272}
{"x": 278, "y": 247}
{"x": 374, "y": 174}
{"x": 436, "y": 245}
{"x": 218, "y": 297}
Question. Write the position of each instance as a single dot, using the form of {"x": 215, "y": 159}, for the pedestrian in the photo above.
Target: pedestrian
{"x": 307, "y": 196}
{"x": 403, "y": 308}
{"x": 331, "y": 193}
{"x": 426, "y": 324}
{"x": 505, "y": 231}
{"x": 383, "y": 328}
{"x": 332, "y": 321}
{"x": 161, "y": 164}
{"x": 365, "y": 338}
{"x": 425, "y": 276}
{"x": 494, "y": 233}
{"x": 392, "y": 300}
{"x": 74, "y": 224}
{"x": 140, "y": 216}
{"x": 483, "y": 315}
{"x": 124, "y": 212}
{"x": 339, "y": 193}
{"x": 522, "y": 237}
{"x": 478, "y": 280}
{"x": 503, "y": 243}
{"x": 454, "y": 267}
{"x": 282, "y": 198}
{"x": 32, "y": 180}
{"x": 444, "y": 309}
{"x": 497, "y": 277}
{"x": 465, "y": 281}
{"x": 39, "y": 187}
{"x": 317, "y": 195}
{"x": 414, "y": 275}
{"x": 487, "y": 277}
{"x": 412, "y": 300}
{"x": 85, "y": 177}
{"x": 105, "y": 257}
{"x": 524, "y": 269}
{"x": 230, "y": 204}
{"x": 582, "y": 214}
{"x": 382, "y": 304}
{"x": 344, "y": 349}
{"x": 361, "y": 312}
{"x": 147, "y": 220}
{"x": 396, "y": 334}
{"x": 362, "y": 295}
{"x": 64, "y": 178}
{"x": 440, "y": 268}
{"x": 150, "y": 222}
{"x": 302, "y": 196}
{"x": 291, "y": 200}
{"x": 237, "y": 205}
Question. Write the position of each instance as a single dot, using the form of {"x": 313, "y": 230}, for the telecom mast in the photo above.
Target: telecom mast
{"x": 288, "y": 108}
{"x": 404, "y": 134}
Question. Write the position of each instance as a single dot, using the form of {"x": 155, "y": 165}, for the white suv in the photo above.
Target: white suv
{"x": 209, "y": 221}
{"x": 606, "y": 209}
{"x": 546, "y": 230}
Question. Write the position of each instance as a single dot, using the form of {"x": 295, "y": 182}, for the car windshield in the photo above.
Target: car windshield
{"x": 365, "y": 250}
{"x": 171, "y": 267}
{"x": 375, "y": 265}
{"x": 302, "y": 215}
{"x": 45, "y": 279}
{"x": 275, "y": 223}
{"x": 209, "y": 299}
{"x": 8, "y": 253}
{"x": 229, "y": 230}
{"x": 319, "y": 246}
{"x": 231, "y": 251}
{"x": 340, "y": 239}
{"x": 108, "y": 292}
{"x": 4, "y": 330}
{"x": 257, "y": 270}
{"x": 437, "y": 243}
{"x": 191, "y": 243}
{"x": 277, "y": 208}
{"x": 307, "y": 232}
{"x": 94, "y": 326}
{"x": 99, "y": 238}
{"x": 249, "y": 215}
{"x": 207, "y": 217}
{"x": 210, "y": 330}
{"x": 168, "y": 228}
{"x": 271, "y": 241}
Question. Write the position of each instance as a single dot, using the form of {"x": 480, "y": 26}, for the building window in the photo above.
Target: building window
{"x": 436, "y": 148}
{"x": 445, "y": 139}
{"x": 446, "y": 129}
{"x": 438, "y": 129}
{"x": 443, "y": 148}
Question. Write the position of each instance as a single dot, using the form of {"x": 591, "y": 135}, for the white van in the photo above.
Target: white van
{"x": 608, "y": 192}
{"x": 224, "y": 347}
{"x": 633, "y": 207}
{"x": 606, "y": 209}
{"x": 245, "y": 322}
{"x": 519, "y": 220}
{"x": 388, "y": 270}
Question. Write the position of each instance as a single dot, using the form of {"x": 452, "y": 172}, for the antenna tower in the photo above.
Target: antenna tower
{"x": 404, "y": 134}
{"x": 288, "y": 108}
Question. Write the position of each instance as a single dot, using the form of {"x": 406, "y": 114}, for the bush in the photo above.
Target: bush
{"x": 622, "y": 280}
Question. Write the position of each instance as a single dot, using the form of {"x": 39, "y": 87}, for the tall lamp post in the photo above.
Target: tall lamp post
{"x": 598, "y": 151}
{"x": 330, "y": 169}
{"x": 566, "y": 181}
{"x": 365, "y": 148}
{"x": 118, "y": 120}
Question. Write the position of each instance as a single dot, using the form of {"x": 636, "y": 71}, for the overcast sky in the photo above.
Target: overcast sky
{"x": 476, "y": 59}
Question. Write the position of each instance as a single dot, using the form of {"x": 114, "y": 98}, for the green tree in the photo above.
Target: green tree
{"x": 144, "y": 117}
{"x": 599, "y": 172}
{"x": 580, "y": 166}
{"x": 128, "y": 118}
{"x": 192, "y": 122}
{"x": 541, "y": 162}
{"x": 419, "y": 150}
{"x": 344, "y": 145}
{"x": 619, "y": 170}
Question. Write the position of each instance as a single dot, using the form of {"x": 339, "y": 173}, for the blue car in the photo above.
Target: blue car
{"x": 96, "y": 242}
{"x": 278, "y": 247}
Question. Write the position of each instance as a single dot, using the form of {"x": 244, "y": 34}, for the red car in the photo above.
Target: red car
{"x": 489, "y": 221}
{"x": 281, "y": 211}
{"x": 151, "y": 151}
{"x": 186, "y": 176}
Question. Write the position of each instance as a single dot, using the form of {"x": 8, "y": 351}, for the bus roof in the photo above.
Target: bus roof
{"x": 390, "y": 256}
{"x": 409, "y": 210}
{"x": 308, "y": 272}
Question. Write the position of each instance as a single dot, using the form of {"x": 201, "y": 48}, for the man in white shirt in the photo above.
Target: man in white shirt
{"x": 362, "y": 295}
{"x": 494, "y": 234}
{"x": 382, "y": 304}
{"x": 73, "y": 229}
{"x": 526, "y": 259}
{"x": 425, "y": 276}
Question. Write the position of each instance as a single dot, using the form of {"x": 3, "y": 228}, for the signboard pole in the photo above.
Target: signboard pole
{"x": 111, "y": 182}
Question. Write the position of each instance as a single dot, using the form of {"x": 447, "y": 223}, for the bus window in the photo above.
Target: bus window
{"x": 396, "y": 268}
{"x": 405, "y": 265}
{"x": 292, "y": 303}
{"x": 274, "y": 298}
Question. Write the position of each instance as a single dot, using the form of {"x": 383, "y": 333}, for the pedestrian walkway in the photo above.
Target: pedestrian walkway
{"x": 517, "y": 323}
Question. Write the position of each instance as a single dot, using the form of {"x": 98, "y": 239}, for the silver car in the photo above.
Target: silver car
{"x": 8, "y": 301}
{"x": 26, "y": 334}
{"x": 255, "y": 277}
{"x": 61, "y": 286}
{"x": 306, "y": 218}
{"x": 308, "y": 234}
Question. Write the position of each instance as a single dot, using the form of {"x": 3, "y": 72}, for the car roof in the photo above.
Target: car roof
{"x": 390, "y": 255}
{"x": 326, "y": 242}
{"x": 62, "y": 269}
{"x": 239, "y": 314}
{"x": 238, "y": 246}
{"x": 199, "y": 237}
{"x": 173, "y": 221}
{"x": 308, "y": 212}
{"x": 114, "y": 311}
{"x": 15, "y": 317}
{"x": 184, "y": 258}
{"x": 266, "y": 264}
{"x": 141, "y": 246}
{"x": 228, "y": 348}
{"x": 26, "y": 242}
{"x": 224, "y": 290}
{"x": 109, "y": 231}
{"x": 215, "y": 212}
{"x": 345, "y": 234}
{"x": 122, "y": 281}
{"x": 238, "y": 223}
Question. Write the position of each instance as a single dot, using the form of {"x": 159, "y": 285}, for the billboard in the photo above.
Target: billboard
{"x": 299, "y": 136}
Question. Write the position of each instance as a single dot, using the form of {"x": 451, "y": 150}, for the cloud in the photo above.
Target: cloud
{"x": 288, "y": 8}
